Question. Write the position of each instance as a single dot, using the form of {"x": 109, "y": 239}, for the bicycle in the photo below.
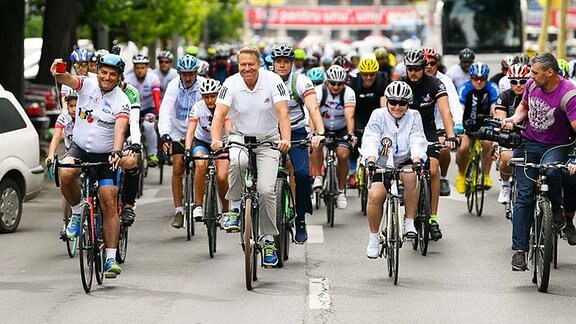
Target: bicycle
{"x": 362, "y": 188}
{"x": 189, "y": 200}
{"x": 90, "y": 239}
{"x": 329, "y": 191}
{"x": 123, "y": 237}
{"x": 211, "y": 214}
{"x": 542, "y": 232}
{"x": 474, "y": 171}
{"x": 392, "y": 225}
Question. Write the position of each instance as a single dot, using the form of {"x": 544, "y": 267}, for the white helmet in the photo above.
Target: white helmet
{"x": 204, "y": 68}
{"x": 210, "y": 86}
{"x": 398, "y": 90}
{"x": 336, "y": 73}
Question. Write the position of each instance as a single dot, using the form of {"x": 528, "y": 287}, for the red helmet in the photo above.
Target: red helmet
{"x": 519, "y": 71}
{"x": 430, "y": 52}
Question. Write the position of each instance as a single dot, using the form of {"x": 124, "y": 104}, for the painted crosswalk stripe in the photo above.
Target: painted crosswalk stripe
{"x": 319, "y": 297}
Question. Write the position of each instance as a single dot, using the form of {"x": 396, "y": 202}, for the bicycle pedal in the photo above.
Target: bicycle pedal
{"x": 199, "y": 219}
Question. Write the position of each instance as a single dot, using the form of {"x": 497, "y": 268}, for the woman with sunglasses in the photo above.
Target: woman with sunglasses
{"x": 403, "y": 127}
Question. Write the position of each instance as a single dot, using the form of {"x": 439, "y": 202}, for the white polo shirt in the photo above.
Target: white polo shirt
{"x": 252, "y": 111}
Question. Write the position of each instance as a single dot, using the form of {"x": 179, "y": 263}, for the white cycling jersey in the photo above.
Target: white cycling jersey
{"x": 145, "y": 87}
{"x": 304, "y": 87}
{"x": 165, "y": 78}
{"x": 333, "y": 110}
{"x": 96, "y": 116}
{"x": 457, "y": 75}
{"x": 453, "y": 101}
{"x": 66, "y": 123}
{"x": 65, "y": 90}
{"x": 202, "y": 116}
{"x": 503, "y": 84}
{"x": 176, "y": 106}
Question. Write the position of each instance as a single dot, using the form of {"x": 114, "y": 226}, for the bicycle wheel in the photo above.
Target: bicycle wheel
{"x": 248, "y": 241}
{"x": 362, "y": 189}
{"x": 317, "y": 199}
{"x": 479, "y": 191}
{"x": 332, "y": 192}
{"x": 142, "y": 169}
{"x": 281, "y": 205}
{"x": 188, "y": 205}
{"x": 71, "y": 244}
{"x": 161, "y": 158}
{"x": 545, "y": 244}
{"x": 86, "y": 254}
{"x": 424, "y": 214}
{"x": 470, "y": 183}
{"x": 122, "y": 244}
{"x": 210, "y": 215}
{"x": 397, "y": 241}
{"x": 390, "y": 235}
{"x": 555, "y": 249}
{"x": 513, "y": 195}
{"x": 99, "y": 246}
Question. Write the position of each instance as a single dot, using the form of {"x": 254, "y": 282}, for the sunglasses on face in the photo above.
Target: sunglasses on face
{"x": 164, "y": 62}
{"x": 518, "y": 81}
{"x": 478, "y": 79}
{"x": 414, "y": 69}
{"x": 431, "y": 63}
{"x": 398, "y": 102}
{"x": 336, "y": 84}
{"x": 83, "y": 64}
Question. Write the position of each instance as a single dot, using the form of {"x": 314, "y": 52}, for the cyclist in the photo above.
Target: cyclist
{"x": 316, "y": 75}
{"x": 548, "y": 107}
{"x": 432, "y": 68}
{"x": 326, "y": 63}
{"x": 384, "y": 66}
{"x": 504, "y": 83}
{"x": 478, "y": 97}
{"x": 198, "y": 141}
{"x": 182, "y": 93}
{"x": 403, "y": 127}
{"x": 255, "y": 101}
{"x": 354, "y": 59}
{"x": 164, "y": 71}
{"x": 299, "y": 57}
{"x": 79, "y": 59}
{"x": 505, "y": 106}
{"x": 459, "y": 73}
{"x": 204, "y": 69}
{"x": 302, "y": 96}
{"x": 309, "y": 63}
{"x": 505, "y": 64}
{"x": 568, "y": 203}
{"x": 101, "y": 120}
{"x": 337, "y": 103}
{"x": 222, "y": 67}
{"x": 94, "y": 58}
{"x": 148, "y": 85}
{"x": 428, "y": 92}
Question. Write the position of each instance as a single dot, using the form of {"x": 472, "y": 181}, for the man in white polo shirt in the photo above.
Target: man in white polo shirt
{"x": 256, "y": 102}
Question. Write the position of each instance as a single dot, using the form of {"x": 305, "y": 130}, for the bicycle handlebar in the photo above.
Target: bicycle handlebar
{"x": 76, "y": 165}
{"x": 520, "y": 162}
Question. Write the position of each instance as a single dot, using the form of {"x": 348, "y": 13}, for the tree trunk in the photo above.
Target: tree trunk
{"x": 60, "y": 17}
{"x": 12, "y": 47}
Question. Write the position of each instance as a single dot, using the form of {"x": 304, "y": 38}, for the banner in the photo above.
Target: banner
{"x": 570, "y": 18}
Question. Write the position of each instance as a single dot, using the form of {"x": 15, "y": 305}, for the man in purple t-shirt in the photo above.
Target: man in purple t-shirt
{"x": 549, "y": 109}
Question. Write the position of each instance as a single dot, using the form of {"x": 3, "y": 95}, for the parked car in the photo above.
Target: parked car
{"x": 21, "y": 174}
{"x": 40, "y": 101}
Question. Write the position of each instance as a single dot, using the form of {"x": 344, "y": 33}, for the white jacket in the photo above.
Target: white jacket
{"x": 176, "y": 106}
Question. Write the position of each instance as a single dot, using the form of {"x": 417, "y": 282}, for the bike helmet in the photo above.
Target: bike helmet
{"x": 381, "y": 53}
{"x": 398, "y": 90}
{"x": 343, "y": 62}
{"x": 97, "y": 55}
{"x": 299, "y": 54}
{"x": 165, "y": 54}
{"x": 311, "y": 61}
{"x": 204, "y": 68}
{"x": 210, "y": 86}
{"x": 414, "y": 58}
{"x": 269, "y": 62}
{"x": 430, "y": 52}
{"x": 316, "y": 75}
{"x": 466, "y": 55}
{"x": 336, "y": 73}
{"x": 140, "y": 59}
{"x": 188, "y": 63}
{"x": 522, "y": 58}
{"x": 222, "y": 53}
{"x": 80, "y": 55}
{"x": 479, "y": 70}
{"x": 282, "y": 50}
{"x": 518, "y": 71}
{"x": 112, "y": 60}
{"x": 564, "y": 68}
{"x": 192, "y": 50}
{"x": 368, "y": 65}
{"x": 73, "y": 94}
{"x": 507, "y": 61}
{"x": 327, "y": 60}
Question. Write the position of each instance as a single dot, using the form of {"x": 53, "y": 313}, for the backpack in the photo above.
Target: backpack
{"x": 297, "y": 97}
{"x": 325, "y": 95}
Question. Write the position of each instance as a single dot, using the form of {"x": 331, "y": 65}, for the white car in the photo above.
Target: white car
{"x": 21, "y": 174}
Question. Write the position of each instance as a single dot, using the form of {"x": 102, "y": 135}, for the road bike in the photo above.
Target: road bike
{"x": 329, "y": 191}
{"x": 474, "y": 171}
{"x": 189, "y": 200}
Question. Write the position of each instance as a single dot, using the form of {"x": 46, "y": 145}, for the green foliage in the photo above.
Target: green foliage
{"x": 33, "y": 26}
{"x": 223, "y": 24}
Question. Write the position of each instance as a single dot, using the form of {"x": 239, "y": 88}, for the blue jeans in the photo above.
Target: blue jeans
{"x": 525, "y": 188}
{"x": 301, "y": 163}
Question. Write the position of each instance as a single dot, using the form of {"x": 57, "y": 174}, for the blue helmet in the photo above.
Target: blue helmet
{"x": 80, "y": 55}
{"x": 188, "y": 63}
{"x": 479, "y": 70}
{"x": 112, "y": 60}
{"x": 316, "y": 74}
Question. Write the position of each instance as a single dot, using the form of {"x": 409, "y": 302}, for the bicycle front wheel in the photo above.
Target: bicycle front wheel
{"x": 99, "y": 246}
{"x": 479, "y": 191}
{"x": 281, "y": 220}
{"x": 71, "y": 244}
{"x": 249, "y": 243}
{"x": 470, "y": 184}
{"x": 390, "y": 237}
{"x": 189, "y": 205}
{"x": 424, "y": 213}
{"x": 545, "y": 242}
{"x": 397, "y": 241}
{"x": 210, "y": 215}
{"x": 86, "y": 255}
{"x": 332, "y": 192}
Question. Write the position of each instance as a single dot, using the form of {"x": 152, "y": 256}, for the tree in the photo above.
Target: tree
{"x": 224, "y": 22}
{"x": 12, "y": 45}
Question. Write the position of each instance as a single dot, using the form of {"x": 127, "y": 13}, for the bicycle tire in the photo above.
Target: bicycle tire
{"x": 332, "y": 189}
{"x": 390, "y": 238}
{"x": 545, "y": 244}
{"x": 280, "y": 239}
{"x": 555, "y": 253}
{"x": 122, "y": 250}
{"x": 290, "y": 219}
{"x": 513, "y": 195}
{"x": 141, "y": 174}
{"x": 362, "y": 189}
{"x": 479, "y": 192}
{"x": 71, "y": 244}
{"x": 397, "y": 241}
{"x": 470, "y": 184}
{"x": 99, "y": 247}
{"x": 188, "y": 205}
{"x": 161, "y": 158}
{"x": 248, "y": 242}
{"x": 317, "y": 198}
{"x": 86, "y": 255}
{"x": 210, "y": 214}
{"x": 424, "y": 214}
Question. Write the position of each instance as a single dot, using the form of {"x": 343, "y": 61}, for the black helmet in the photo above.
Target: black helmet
{"x": 414, "y": 58}
{"x": 466, "y": 55}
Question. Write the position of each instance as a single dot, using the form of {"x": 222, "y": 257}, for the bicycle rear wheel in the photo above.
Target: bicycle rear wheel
{"x": 248, "y": 241}
{"x": 210, "y": 216}
{"x": 544, "y": 246}
{"x": 189, "y": 205}
{"x": 281, "y": 205}
{"x": 470, "y": 183}
{"x": 122, "y": 244}
{"x": 332, "y": 192}
{"x": 479, "y": 191}
{"x": 86, "y": 254}
{"x": 424, "y": 215}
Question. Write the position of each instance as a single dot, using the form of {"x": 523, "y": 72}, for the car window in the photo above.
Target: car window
{"x": 10, "y": 118}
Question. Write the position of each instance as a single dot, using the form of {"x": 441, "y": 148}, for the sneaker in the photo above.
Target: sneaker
{"x": 460, "y": 183}
{"x": 559, "y": 220}
{"x": 410, "y": 230}
{"x": 73, "y": 228}
{"x": 128, "y": 216}
{"x": 570, "y": 233}
{"x": 178, "y": 221}
{"x": 318, "y": 183}
{"x": 341, "y": 201}
{"x": 233, "y": 222}
{"x": 352, "y": 181}
{"x": 519, "y": 261}
{"x": 111, "y": 269}
{"x": 198, "y": 214}
{"x": 487, "y": 182}
{"x": 153, "y": 160}
{"x": 444, "y": 187}
{"x": 301, "y": 233}
{"x": 435, "y": 232}
{"x": 270, "y": 256}
{"x": 373, "y": 249}
{"x": 504, "y": 196}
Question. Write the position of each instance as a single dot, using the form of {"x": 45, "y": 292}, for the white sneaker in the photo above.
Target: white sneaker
{"x": 373, "y": 249}
{"x": 341, "y": 201}
{"x": 504, "y": 196}
{"x": 318, "y": 183}
{"x": 198, "y": 213}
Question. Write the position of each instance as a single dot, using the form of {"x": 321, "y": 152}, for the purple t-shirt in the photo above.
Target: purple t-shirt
{"x": 547, "y": 123}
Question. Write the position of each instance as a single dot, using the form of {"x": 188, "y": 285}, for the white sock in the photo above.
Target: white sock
{"x": 506, "y": 183}
{"x": 110, "y": 253}
{"x": 408, "y": 221}
{"x": 340, "y": 191}
{"x": 375, "y": 235}
{"x": 318, "y": 177}
{"x": 178, "y": 209}
{"x": 269, "y": 238}
{"x": 442, "y": 178}
{"x": 235, "y": 204}
{"x": 77, "y": 209}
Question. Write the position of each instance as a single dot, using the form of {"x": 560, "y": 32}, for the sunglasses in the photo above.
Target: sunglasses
{"x": 83, "y": 64}
{"x": 336, "y": 84}
{"x": 518, "y": 81}
{"x": 431, "y": 63}
{"x": 415, "y": 69}
{"x": 398, "y": 102}
{"x": 164, "y": 62}
{"x": 479, "y": 79}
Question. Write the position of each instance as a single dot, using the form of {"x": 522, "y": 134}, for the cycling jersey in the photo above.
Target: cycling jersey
{"x": 134, "y": 97}
{"x": 201, "y": 114}
{"x": 425, "y": 95}
{"x": 66, "y": 123}
{"x": 165, "y": 78}
{"x": 176, "y": 107}
{"x": 332, "y": 110}
{"x": 304, "y": 87}
{"x": 96, "y": 115}
{"x": 145, "y": 87}
{"x": 477, "y": 102}
{"x": 65, "y": 90}
{"x": 453, "y": 102}
{"x": 367, "y": 99}
{"x": 503, "y": 84}
{"x": 457, "y": 75}
{"x": 508, "y": 101}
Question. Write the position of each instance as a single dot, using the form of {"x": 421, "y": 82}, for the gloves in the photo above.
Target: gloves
{"x": 188, "y": 158}
{"x": 166, "y": 138}
{"x": 459, "y": 129}
{"x": 417, "y": 167}
{"x": 135, "y": 147}
{"x": 453, "y": 140}
{"x": 371, "y": 167}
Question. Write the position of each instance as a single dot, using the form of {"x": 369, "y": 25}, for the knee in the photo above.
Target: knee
{"x": 222, "y": 177}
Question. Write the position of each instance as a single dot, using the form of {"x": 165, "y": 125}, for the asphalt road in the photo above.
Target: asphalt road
{"x": 466, "y": 276}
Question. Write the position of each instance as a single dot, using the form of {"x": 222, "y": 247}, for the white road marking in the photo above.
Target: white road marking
{"x": 315, "y": 233}
{"x": 318, "y": 297}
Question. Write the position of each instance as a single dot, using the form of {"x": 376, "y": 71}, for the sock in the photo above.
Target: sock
{"x": 235, "y": 205}
{"x": 110, "y": 253}
{"x": 506, "y": 183}
{"x": 178, "y": 209}
{"x": 77, "y": 209}
{"x": 340, "y": 191}
{"x": 408, "y": 221}
{"x": 375, "y": 236}
{"x": 268, "y": 238}
{"x": 442, "y": 177}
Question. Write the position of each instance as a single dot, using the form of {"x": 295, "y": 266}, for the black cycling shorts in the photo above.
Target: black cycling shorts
{"x": 104, "y": 175}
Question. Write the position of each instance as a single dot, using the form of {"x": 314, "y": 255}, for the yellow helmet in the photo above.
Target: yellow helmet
{"x": 368, "y": 65}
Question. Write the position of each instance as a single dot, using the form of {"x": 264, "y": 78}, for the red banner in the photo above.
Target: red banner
{"x": 329, "y": 16}
{"x": 570, "y": 18}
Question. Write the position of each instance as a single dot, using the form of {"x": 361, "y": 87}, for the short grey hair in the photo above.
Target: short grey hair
{"x": 546, "y": 61}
